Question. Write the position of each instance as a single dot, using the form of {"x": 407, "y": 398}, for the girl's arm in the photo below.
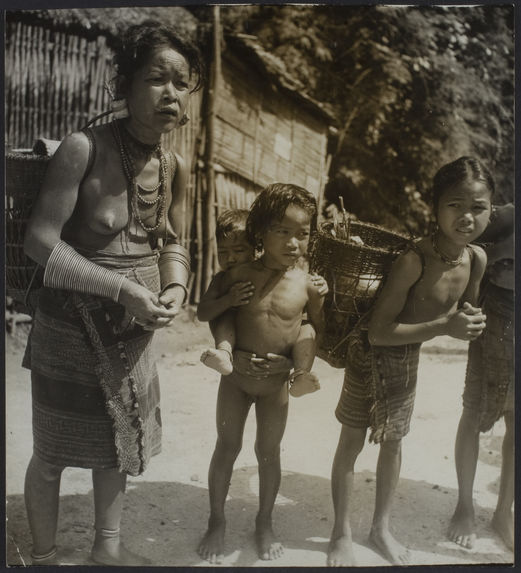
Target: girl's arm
{"x": 471, "y": 294}
{"x": 383, "y": 328}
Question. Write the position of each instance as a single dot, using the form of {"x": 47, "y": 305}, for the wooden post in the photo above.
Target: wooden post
{"x": 213, "y": 86}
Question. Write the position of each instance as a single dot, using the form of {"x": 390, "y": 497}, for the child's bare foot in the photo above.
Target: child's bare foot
{"x": 387, "y": 545}
{"x": 503, "y": 524}
{"x": 340, "y": 552}
{"x": 110, "y": 551}
{"x": 218, "y": 359}
{"x": 268, "y": 547}
{"x": 303, "y": 383}
{"x": 211, "y": 546}
{"x": 461, "y": 528}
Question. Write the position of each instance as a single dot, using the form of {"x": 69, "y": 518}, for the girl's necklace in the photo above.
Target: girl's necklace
{"x": 130, "y": 170}
{"x": 444, "y": 258}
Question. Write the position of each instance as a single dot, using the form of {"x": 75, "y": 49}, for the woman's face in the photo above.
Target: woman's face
{"x": 157, "y": 94}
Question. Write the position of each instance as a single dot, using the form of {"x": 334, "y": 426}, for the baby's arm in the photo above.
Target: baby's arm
{"x": 215, "y": 301}
{"x": 384, "y": 330}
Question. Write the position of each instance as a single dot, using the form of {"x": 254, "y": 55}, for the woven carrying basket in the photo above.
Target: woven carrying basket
{"x": 354, "y": 274}
{"x": 24, "y": 174}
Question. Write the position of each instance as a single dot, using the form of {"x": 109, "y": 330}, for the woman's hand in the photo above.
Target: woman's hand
{"x": 271, "y": 364}
{"x": 172, "y": 298}
{"x": 145, "y": 306}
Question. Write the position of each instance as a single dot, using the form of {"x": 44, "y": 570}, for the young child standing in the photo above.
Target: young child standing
{"x": 281, "y": 220}
{"x": 430, "y": 291}
{"x": 233, "y": 248}
{"x": 489, "y": 385}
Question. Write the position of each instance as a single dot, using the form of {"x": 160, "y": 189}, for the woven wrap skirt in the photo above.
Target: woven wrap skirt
{"x": 489, "y": 380}
{"x": 95, "y": 388}
{"x": 379, "y": 387}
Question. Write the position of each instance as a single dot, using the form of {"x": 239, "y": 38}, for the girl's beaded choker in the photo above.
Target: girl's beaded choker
{"x": 444, "y": 258}
{"x": 135, "y": 197}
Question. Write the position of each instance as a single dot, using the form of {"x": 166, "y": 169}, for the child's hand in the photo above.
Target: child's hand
{"x": 467, "y": 323}
{"x": 240, "y": 293}
{"x": 320, "y": 283}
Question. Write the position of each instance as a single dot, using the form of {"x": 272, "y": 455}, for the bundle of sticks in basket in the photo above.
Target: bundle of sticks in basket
{"x": 354, "y": 258}
{"x": 24, "y": 175}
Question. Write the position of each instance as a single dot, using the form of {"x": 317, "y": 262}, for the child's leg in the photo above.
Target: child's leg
{"x": 42, "y": 495}
{"x": 232, "y": 410}
{"x": 303, "y": 353}
{"x": 350, "y": 444}
{"x": 503, "y": 521}
{"x": 220, "y": 357}
{"x": 387, "y": 475}
{"x": 272, "y": 413}
{"x": 109, "y": 491}
{"x": 461, "y": 528}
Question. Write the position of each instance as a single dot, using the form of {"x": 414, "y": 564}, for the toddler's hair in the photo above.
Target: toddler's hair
{"x": 271, "y": 204}
{"x": 462, "y": 169}
{"x": 230, "y": 223}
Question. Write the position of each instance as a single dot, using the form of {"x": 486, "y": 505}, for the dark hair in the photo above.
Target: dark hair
{"x": 140, "y": 40}
{"x": 462, "y": 169}
{"x": 230, "y": 222}
{"x": 271, "y": 204}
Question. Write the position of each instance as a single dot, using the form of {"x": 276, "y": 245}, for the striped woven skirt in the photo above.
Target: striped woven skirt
{"x": 379, "y": 387}
{"x": 95, "y": 388}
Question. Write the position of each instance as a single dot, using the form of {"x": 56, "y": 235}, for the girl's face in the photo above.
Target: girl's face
{"x": 287, "y": 240}
{"x": 157, "y": 94}
{"x": 464, "y": 212}
{"x": 234, "y": 250}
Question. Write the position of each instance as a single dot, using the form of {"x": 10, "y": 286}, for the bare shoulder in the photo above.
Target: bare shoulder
{"x": 480, "y": 257}
{"x": 409, "y": 264}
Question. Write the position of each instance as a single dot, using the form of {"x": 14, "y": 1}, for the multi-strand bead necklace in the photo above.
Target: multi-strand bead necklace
{"x": 142, "y": 149}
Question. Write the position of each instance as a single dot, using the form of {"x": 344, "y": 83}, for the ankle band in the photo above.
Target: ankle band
{"x": 43, "y": 556}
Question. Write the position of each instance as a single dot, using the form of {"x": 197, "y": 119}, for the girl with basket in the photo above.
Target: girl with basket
{"x": 430, "y": 291}
{"x": 103, "y": 227}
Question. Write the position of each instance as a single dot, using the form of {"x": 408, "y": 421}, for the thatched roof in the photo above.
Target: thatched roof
{"x": 108, "y": 21}
{"x": 246, "y": 46}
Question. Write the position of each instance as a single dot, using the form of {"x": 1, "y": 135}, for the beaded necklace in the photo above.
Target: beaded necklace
{"x": 444, "y": 258}
{"x": 130, "y": 173}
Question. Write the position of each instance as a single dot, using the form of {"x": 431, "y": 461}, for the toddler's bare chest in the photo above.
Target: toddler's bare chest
{"x": 286, "y": 300}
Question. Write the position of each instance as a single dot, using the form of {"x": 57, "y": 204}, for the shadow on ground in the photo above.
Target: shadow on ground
{"x": 165, "y": 520}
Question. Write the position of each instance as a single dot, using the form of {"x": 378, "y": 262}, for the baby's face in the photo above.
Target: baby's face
{"x": 233, "y": 251}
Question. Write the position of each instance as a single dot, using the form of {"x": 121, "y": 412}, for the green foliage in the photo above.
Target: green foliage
{"x": 412, "y": 87}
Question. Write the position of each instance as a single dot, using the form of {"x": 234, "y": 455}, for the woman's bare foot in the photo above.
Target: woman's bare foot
{"x": 304, "y": 383}
{"x": 461, "y": 528}
{"x": 268, "y": 547}
{"x": 113, "y": 552}
{"x": 503, "y": 525}
{"x": 387, "y": 545}
{"x": 340, "y": 552}
{"x": 211, "y": 546}
{"x": 218, "y": 359}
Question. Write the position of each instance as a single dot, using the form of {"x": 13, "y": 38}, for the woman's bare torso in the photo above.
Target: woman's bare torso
{"x": 102, "y": 210}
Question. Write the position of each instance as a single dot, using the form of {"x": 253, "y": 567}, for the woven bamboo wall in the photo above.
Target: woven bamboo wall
{"x": 263, "y": 135}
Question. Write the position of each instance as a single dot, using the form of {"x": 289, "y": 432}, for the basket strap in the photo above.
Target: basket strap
{"x": 92, "y": 152}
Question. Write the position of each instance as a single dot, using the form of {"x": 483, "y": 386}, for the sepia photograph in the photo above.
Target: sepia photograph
{"x": 176, "y": 178}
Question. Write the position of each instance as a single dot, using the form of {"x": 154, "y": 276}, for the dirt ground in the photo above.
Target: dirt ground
{"x": 166, "y": 509}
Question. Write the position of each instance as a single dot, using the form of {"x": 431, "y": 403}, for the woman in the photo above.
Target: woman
{"x": 104, "y": 229}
